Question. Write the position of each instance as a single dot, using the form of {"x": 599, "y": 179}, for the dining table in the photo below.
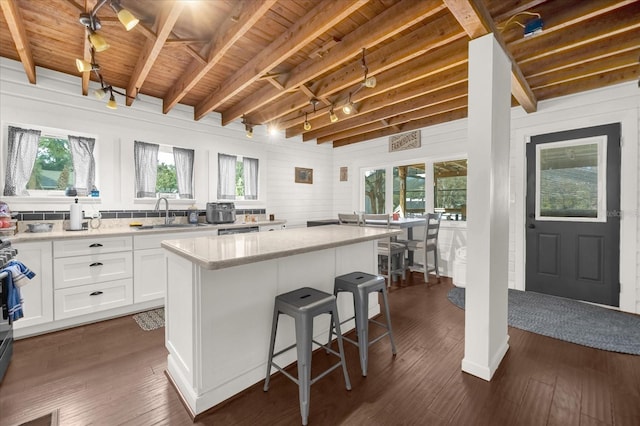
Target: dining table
{"x": 407, "y": 223}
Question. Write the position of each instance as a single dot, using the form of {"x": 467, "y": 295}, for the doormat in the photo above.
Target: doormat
{"x": 50, "y": 419}
{"x": 569, "y": 320}
{"x": 150, "y": 320}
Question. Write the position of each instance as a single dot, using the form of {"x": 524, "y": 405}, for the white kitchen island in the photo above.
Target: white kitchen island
{"x": 220, "y": 296}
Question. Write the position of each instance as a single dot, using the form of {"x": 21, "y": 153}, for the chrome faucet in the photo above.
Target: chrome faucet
{"x": 167, "y": 219}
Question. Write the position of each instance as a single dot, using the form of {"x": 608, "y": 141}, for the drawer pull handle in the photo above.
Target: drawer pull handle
{"x": 96, "y": 264}
{"x": 96, "y": 245}
{"x": 96, "y": 293}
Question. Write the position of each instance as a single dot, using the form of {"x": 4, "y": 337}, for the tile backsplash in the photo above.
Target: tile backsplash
{"x": 44, "y": 215}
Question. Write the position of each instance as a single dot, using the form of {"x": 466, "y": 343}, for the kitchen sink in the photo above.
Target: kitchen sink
{"x": 174, "y": 225}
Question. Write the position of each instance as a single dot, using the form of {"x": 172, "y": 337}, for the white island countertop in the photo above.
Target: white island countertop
{"x": 225, "y": 251}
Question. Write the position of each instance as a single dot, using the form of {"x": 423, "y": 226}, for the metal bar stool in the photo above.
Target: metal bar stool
{"x": 360, "y": 284}
{"x": 303, "y": 305}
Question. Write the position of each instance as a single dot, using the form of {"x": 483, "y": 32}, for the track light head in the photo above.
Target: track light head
{"x": 349, "y": 108}
{"x": 100, "y": 93}
{"x": 125, "y": 17}
{"x": 332, "y": 116}
{"x": 370, "y": 82}
{"x": 273, "y": 129}
{"x": 306, "y": 125}
{"x": 249, "y": 131}
{"x": 86, "y": 66}
{"x": 98, "y": 42}
{"x": 112, "y": 102}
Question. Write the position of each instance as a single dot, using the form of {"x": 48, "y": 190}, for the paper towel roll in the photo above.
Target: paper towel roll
{"x": 75, "y": 216}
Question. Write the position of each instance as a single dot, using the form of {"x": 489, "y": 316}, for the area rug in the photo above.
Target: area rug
{"x": 150, "y": 320}
{"x": 50, "y": 419}
{"x": 569, "y": 320}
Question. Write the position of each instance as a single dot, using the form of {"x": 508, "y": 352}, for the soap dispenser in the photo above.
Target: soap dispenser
{"x": 193, "y": 214}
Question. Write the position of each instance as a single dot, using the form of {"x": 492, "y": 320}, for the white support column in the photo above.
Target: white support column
{"x": 486, "y": 338}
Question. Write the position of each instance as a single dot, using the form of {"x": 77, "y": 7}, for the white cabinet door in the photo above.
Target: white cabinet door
{"x": 149, "y": 276}
{"x": 37, "y": 294}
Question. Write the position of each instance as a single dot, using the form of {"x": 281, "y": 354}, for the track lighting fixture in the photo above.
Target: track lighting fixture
{"x": 332, "y": 115}
{"x": 99, "y": 44}
{"x": 306, "y": 125}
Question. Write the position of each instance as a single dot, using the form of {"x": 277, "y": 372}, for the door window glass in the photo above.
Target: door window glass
{"x": 570, "y": 182}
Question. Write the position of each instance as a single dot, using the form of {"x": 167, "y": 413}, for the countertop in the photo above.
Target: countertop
{"x": 123, "y": 229}
{"x": 233, "y": 250}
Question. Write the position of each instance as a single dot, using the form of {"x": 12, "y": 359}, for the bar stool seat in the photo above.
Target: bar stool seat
{"x": 360, "y": 285}
{"x": 303, "y": 305}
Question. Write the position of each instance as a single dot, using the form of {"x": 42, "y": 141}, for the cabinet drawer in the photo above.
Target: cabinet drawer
{"x": 84, "y": 246}
{"x": 81, "y": 270}
{"x": 71, "y": 302}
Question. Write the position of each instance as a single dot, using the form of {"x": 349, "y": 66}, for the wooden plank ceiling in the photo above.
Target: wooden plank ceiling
{"x": 281, "y": 62}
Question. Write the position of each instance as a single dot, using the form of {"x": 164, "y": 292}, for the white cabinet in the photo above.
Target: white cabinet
{"x": 92, "y": 275}
{"x": 37, "y": 293}
{"x": 149, "y": 272}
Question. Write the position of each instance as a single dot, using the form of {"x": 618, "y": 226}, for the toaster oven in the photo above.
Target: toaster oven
{"x": 221, "y": 213}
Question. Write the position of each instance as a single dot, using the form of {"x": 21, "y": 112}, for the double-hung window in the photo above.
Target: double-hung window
{"x": 163, "y": 171}
{"x": 46, "y": 163}
{"x": 237, "y": 177}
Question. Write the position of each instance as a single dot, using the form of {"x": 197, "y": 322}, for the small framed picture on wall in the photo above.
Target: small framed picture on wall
{"x": 344, "y": 174}
{"x": 304, "y": 175}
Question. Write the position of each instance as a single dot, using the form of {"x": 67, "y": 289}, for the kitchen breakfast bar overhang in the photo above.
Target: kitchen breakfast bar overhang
{"x": 220, "y": 296}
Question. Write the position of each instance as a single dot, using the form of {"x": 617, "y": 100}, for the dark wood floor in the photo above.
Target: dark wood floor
{"x": 112, "y": 373}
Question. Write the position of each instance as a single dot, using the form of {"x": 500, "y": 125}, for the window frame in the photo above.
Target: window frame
{"x": 429, "y": 190}
{"x": 44, "y": 196}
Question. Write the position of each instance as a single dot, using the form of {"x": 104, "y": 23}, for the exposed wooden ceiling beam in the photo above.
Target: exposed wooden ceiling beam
{"x": 19, "y": 34}
{"x": 321, "y": 18}
{"x": 165, "y": 21}
{"x": 476, "y": 20}
{"x": 412, "y": 125}
{"x": 86, "y": 49}
{"x": 248, "y": 12}
{"x": 591, "y": 68}
{"x": 420, "y": 45}
{"x": 590, "y": 82}
{"x": 382, "y": 27}
{"x": 600, "y": 49}
{"x": 443, "y": 103}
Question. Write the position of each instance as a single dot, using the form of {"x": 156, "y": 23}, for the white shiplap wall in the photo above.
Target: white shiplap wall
{"x": 618, "y": 103}
{"x": 55, "y": 102}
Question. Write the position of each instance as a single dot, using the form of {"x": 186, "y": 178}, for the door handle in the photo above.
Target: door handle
{"x": 95, "y": 264}
{"x": 531, "y": 226}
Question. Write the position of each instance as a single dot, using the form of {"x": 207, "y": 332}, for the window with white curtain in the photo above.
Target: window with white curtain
{"x": 237, "y": 177}
{"x": 163, "y": 171}
{"x": 47, "y": 162}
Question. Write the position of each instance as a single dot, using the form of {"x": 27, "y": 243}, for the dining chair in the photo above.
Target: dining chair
{"x": 349, "y": 219}
{"x": 391, "y": 261}
{"x": 428, "y": 244}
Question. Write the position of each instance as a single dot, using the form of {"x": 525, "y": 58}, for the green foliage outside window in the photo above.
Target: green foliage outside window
{"x": 166, "y": 181}
{"x": 53, "y": 168}
{"x": 239, "y": 179}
